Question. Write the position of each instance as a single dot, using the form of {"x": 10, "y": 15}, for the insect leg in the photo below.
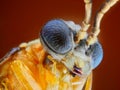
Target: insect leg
{"x": 96, "y": 27}
{"x": 10, "y": 53}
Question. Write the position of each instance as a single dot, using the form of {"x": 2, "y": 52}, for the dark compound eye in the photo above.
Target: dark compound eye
{"x": 57, "y": 36}
{"x": 96, "y": 52}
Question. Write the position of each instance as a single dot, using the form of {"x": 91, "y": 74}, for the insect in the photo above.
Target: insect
{"x": 62, "y": 59}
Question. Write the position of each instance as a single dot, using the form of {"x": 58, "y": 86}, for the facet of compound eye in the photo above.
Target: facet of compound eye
{"x": 75, "y": 28}
{"x": 57, "y": 36}
{"x": 96, "y": 52}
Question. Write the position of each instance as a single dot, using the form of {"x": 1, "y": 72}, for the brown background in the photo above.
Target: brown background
{"x": 21, "y": 20}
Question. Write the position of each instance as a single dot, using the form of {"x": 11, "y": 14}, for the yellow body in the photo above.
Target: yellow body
{"x": 26, "y": 70}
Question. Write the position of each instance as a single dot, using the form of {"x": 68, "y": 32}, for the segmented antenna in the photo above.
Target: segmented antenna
{"x": 86, "y": 23}
{"x": 92, "y": 38}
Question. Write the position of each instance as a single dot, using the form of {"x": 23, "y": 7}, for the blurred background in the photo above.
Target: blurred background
{"x": 21, "y": 21}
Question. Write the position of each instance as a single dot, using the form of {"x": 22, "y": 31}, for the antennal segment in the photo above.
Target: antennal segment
{"x": 85, "y": 24}
{"x": 92, "y": 38}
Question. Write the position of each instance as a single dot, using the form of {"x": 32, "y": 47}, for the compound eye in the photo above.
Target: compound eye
{"x": 57, "y": 36}
{"x": 96, "y": 52}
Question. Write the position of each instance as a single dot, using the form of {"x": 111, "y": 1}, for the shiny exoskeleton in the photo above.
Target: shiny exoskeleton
{"x": 61, "y": 59}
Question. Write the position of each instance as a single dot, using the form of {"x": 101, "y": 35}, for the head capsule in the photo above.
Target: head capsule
{"x": 58, "y": 38}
